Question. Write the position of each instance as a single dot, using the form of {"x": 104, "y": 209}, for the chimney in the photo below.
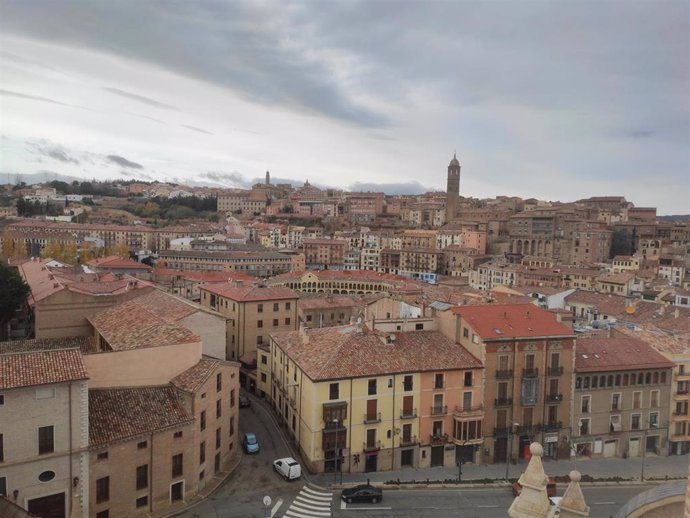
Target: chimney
{"x": 303, "y": 332}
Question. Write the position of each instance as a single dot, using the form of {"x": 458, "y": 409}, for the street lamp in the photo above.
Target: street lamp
{"x": 335, "y": 453}
{"x": 510, "y": 446}
{"x": 644, "y": 447}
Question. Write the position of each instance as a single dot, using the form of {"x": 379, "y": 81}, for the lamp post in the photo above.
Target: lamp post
{"x": 644, "y": 447}
{"x": 335, "y": 453}
{"x": 510, "y": 447}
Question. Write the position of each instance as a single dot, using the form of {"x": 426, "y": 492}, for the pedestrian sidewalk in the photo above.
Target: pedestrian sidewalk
{"x": 655, "y": 467}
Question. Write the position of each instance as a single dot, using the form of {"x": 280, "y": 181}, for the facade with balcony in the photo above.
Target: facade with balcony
{"x": 528, "y": 360}
{"x": 361, "y": 401}
{"x": 622, "y": 394}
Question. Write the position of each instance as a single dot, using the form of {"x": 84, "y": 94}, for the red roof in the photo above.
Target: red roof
{"x": 506, "y": 321}
{"x": 313, "y": 241}
{"x": 609, "y": 354}
{"x": 249, "y": 293}
{"x": 28, "y": 369}
{"x": 113, "y": 261}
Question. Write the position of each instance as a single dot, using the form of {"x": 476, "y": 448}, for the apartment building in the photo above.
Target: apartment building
{"x": 252, "y": 312}
{"x": 251, "y": 262}
{"x": 352, "y": 282}
{"x": 326, "y": 311}
{"x": 359, "y": 400}
{"x": 622, "y": 395}
{"x": 44, "y": 427}
{"x": 363, "y": 207}
{"x": 528, "y": 359}
{"x": 325, "y": 253}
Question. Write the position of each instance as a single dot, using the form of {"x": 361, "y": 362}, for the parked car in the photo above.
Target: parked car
{"x": 288, "y": 467}
{"x": 362, "y": 493}
{"x": 250, "y": 443}
{"x": 245, "y": 401}
{"x": 551, "y": 489}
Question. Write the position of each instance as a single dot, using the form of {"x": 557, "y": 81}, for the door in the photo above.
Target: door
{"x": 437, "y": 456}
{"x": 370, "y": 464}
{"x": 634, "y": 447}
{"x": 610, "y": 448}
{"x": 501, "y": 449}
{"x": 406, "y": 457}
{"x": 371, "y": 410}
{"x": 407, "y": 405}
{"x": 51, "y": 506}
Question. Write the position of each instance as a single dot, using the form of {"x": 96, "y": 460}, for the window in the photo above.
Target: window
{"x": 177, "y": 465}
{"x": 584, "y": 426}
{"x": 407, "y": 383}
{"x": 219, "y": 382}
{"x": 275, "y": 322}
{"x": 465, "y": 332}
{"x": 529, "y": 361}
{"x": 467, "y": 400}
{"x": 218, "y": 405}
{"x": 178, "y": 434}
{"x": 2, "y": 399}
{"x": 468, "y": 379}
{"x": 287, "y": 321}
{"x": 555, "y": 360}
{"x": 217, "y": 438}
{"x": 102, "y": 490}
{"x": 275, "y": 306}
{"x": 101, "y": 456}
{"x": 202, "y": 420}
{"x": 202, "y": 452}
{"x": 103, "y": 514}
{"x": 635, "y": 422}
{"x": 45, "y": 440}
{"x": 287, "y": 305}
{"x": 584, "y": 404}
{"x": 654, "y": 398}
{"x": 529, "y": 391}
{"x": 259, "y": 308}
{"x": 334, "y": 391}
{"x": 142, "y": 501}
{"x": 438, "y": 381}
{"x": 141, "y": 445}
{"x": 259, "y": 324}
{"x": 142, "y": 477}
{"x": 232, "y": 427}
{"x": 232, "y": 398}
{"x": 259, "y": 340}
{"x": 263, "y": 377}
{"x": 177, "y": 491}
{"x": 615, "y": 423}
{"x": 637, "y": 399}
{"x": 653, "y": 419}
{"x": 3, "y": 486}
{"x": 372, "y": 387}
{"x": 616, "y": 401}
{"x": 308, "y": 318}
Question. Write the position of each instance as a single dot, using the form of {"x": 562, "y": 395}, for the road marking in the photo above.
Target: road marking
{"x": 279, "y": 502}
{"x": 604, "y": 503}
{"x": 487, "y": 506}
{"x": 310, "y": 503}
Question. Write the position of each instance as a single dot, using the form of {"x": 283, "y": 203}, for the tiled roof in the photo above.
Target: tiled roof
{"x": 28, "y": 369}
{"x": 617, "y": 278}
{"x": 116, "y": 414}
{"x": 165, "y": 305}
{"x": 312, "y": 241}
{"x": 249, "y": 293}
{"x": 211, "y": 276}
{"x": 83, "y": 343}
{"x": 113, "y": 261}
{"x": 608, "y": 354}
{"x": 191, "y": 379}
{"x": 132, "y": 326}
{"x": 607, "y": 304}
{"x": 326, "y": 302}
{"x": 41, "y": 281}
{"x": 510, "y": 321}
{"x": 343, "y": 352}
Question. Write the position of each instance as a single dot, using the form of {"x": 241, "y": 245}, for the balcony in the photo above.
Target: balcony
{"x": 555, "y": 371}
{"x": 372, "y": 418}
{"x": 502, "y": 432}
{"x": 529, "y": 429}
{"x": 503, "y": 401}
{"x": 554, "y": 398}
{"x": 504, "y": 374}
{"x": 439, "y": 410}
{"x": 371, "y": 446}
{"x": 530, "y": 373}
{"x": 438, "y": 439}
{"x": 408, "y": 441}
{"x": 553, "y": 426}
{"x": 470, "y": 410}
{"x": 408, "y": 414}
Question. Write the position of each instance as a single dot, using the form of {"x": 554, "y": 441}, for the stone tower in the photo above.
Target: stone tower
{"x": 268, "y": 178}
{"x": 453, "y": 189}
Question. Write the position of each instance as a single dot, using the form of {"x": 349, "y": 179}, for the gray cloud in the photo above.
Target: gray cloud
{"x": 43, "y": 147}
{"x": 194, "y": 128}
{"x": 121, "y": 161}
{"x": 390, "y": 188}
{"x": 233, "y": 179}
{"x": 139, "y": 98}
{"x": 31, "y": 97}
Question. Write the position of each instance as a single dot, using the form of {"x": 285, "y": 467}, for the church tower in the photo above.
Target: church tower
{"x": 268, "y": 178}
{"x": 453, "y": 189}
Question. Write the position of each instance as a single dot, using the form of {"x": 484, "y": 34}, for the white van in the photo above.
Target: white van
{"x": 288, "y": 467}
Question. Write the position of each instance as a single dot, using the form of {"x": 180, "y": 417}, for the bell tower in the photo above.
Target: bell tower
{"x": 452, "y": 189}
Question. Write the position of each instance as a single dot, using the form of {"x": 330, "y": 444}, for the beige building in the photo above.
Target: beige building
{"x": 44, "y": 426}
{"x": 622, "y": 394}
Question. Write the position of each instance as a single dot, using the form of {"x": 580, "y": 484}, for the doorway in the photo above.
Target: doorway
{"x": 501, "y": 449}
{"x": 51, "y": 506}
{"x": 436, "y": 456}
{"x": 371, "y": 462}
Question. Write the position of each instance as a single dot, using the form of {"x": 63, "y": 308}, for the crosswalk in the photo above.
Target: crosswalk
{"x": 310, "y": 503}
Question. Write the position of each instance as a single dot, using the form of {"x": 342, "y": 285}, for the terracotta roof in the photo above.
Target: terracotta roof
{"x": 165, "y": 305}
{"x": 312, "y": 241}
{"x": 617, "y": 278}
{"x": 114, "y": 261}
{"x": 28, "y": 369}
{"x": 191, "y": 379}
{"x": 511, "y": 321}
{"x": 83, "y": 343}
{"x": 249, "y": 293}
{"x": 116, "y": 414}
{"x": 607, "y": 304}
{"x": 326, "y": 302}
{"x": 211, "y": 276}
{"x": 608, "y": 354}
{"x": 41, "y": 281}
{"x": 343, "y": 352}
{"x": 131, "y": 325}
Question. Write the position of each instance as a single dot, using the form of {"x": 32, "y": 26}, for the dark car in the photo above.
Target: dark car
{"x": 245, "y": 401}
{"x": 363, "y": 493}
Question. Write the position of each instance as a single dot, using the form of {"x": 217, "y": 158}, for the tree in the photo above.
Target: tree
{"x": 13, "y": 294}
{"x": 9, "y": 246}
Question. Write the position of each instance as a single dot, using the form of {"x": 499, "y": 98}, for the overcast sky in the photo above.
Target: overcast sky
{"x": 547, "y": 99}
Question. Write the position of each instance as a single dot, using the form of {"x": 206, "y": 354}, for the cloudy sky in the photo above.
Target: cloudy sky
{"x": 547, "y": 99}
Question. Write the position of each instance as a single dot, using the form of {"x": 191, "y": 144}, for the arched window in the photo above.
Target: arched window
{"x": 640, "y": 378}
{"x": 656, "y": 378}
{"x": 625, "y": 380}
{"x": 648, "y": 378}
{"x": 595, "y": 381}
{"x": 578, "y": 382}
{"x": 609, "y": 381}
{"x": 586, "y": 382}
{"x": 618, "y": 380}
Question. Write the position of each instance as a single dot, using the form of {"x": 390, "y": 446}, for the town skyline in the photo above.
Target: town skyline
{"x": 243, "y": 89}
